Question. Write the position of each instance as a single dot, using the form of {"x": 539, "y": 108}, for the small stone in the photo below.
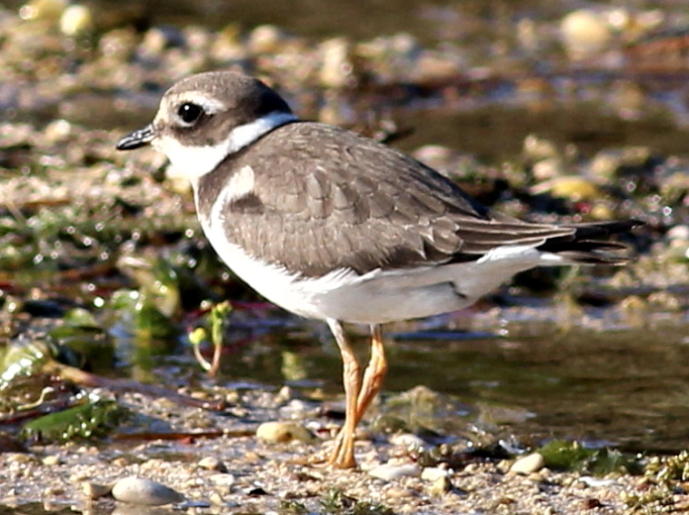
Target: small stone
{"x": 596, "y": 482}
{"x": 395, "y": 493}
{"x": 528, "y": 464}
{"x": 95, "y": 490}
{"x": 226, "y": 480}
{"x": 336, "y": 67}
{"x": 548, "y": 169}
{"x": 58, "y": 131}
{"x": 282, "y": 432}
{"x": 216, "y": 498}
{"x": 440, "y": 486}
{"x": 212, "y": 463}
{"x": 79, "y": 476}
{"x": 136, "y": 490}
{"x": 76, "y": 20}
{"x": 538, "y": 149}
{"x": 265, "y": 39}
{"x": 585, "y": 33}
{"x": 600, "y": 211}
{"x": 52, "y": 491}
{"x": 120, "y": 462}
{"x": 434, "y": 473}
{"x": 390, "y": 471}
{"x": 191, "y": 483}
{"x": 407, "y": 440}
{"x": 286, "y": 393}
{"x": 591, "y": 503}
{"x": 51, "y": 460}
{"x": 569, "y": 187}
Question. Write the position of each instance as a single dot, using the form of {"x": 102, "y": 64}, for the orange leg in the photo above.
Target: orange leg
{"x": 358, "y": 393}
{"x": 343, "y": 454}
{"x": 374, "y": 374}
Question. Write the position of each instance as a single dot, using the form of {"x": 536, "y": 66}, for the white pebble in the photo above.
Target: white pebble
{"x": 212, "y": 463}
{"x": 596, "y": 482}
{"x": 528, "y": 464}
{"x": 282, "y": 432}
{"x": 222, "y": 479}
{"x": 407, "y": 440}
{"x": 76, "y": 20}
{"x": 136, "y": 490}
{"x": 585, "y": 33}
{"x": 95, "y": 490}
{"x": 389, "y": 471}
{"x": 434, "y": 473}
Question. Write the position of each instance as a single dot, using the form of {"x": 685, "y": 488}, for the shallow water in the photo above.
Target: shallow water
{"x": 622, "y": 385}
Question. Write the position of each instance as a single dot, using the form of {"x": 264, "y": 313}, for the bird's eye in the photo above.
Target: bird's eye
{"x": 189, "y": 113}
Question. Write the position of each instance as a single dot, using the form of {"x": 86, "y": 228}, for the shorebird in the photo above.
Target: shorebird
{"x": 334, "y": 226}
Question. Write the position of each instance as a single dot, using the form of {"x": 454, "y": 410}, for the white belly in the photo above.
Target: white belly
{"x": 380, "y": 296}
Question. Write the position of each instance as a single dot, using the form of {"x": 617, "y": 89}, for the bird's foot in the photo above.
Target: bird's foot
{"x": 342, "y": 456}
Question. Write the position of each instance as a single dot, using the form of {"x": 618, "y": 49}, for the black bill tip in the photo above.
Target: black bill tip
{"x": 137, "y": 139}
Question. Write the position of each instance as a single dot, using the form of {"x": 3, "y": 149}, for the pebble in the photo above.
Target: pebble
{"x": 390, "y": 471}
{"x": 536, "y": 148}
{"x": 569, "y": 187}
{"x": 265, "y": 39}
{"x": 336, "y": 68}
{"x": 678, "y": 232}
{"x": 136, "y": 490}
{"x": 52, "y": 491}
{"x": 212, "y": 463}
{"x": 585, "y": 33}
{"x": 282, "y": 432}
{"x": 216, "y": 498}
{"x": 286, "y": 393}
{"x": 546, "y": 169}
{"x": 95, "y": 490}
{"x": 407, "y": 440}
{"x": 76, "y": 20}
{"x": 434, "y": 473}
{"x": 597, "y": 482}
{"x": 440, "y": 486}
{"x": 58, "y": 132}
{"x": 51, "y": 460}
{"x": 222, "y": 479}
{"x": 395, "y": 493}
{"x": 528, "y": 464}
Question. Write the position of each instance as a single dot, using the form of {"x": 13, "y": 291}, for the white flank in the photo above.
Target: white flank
{"x": 196, "y": 161}
{"x": 275, "y": 283}
{"x": 377, "y": 296}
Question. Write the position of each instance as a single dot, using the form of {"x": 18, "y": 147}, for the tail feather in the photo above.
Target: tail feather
{"x": 589, "y": 243}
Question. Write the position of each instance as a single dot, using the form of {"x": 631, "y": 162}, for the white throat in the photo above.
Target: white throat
{"x": 196, "y": 161}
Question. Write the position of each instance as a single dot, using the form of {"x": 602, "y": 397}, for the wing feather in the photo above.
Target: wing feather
{"x": 344, "y": 201}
